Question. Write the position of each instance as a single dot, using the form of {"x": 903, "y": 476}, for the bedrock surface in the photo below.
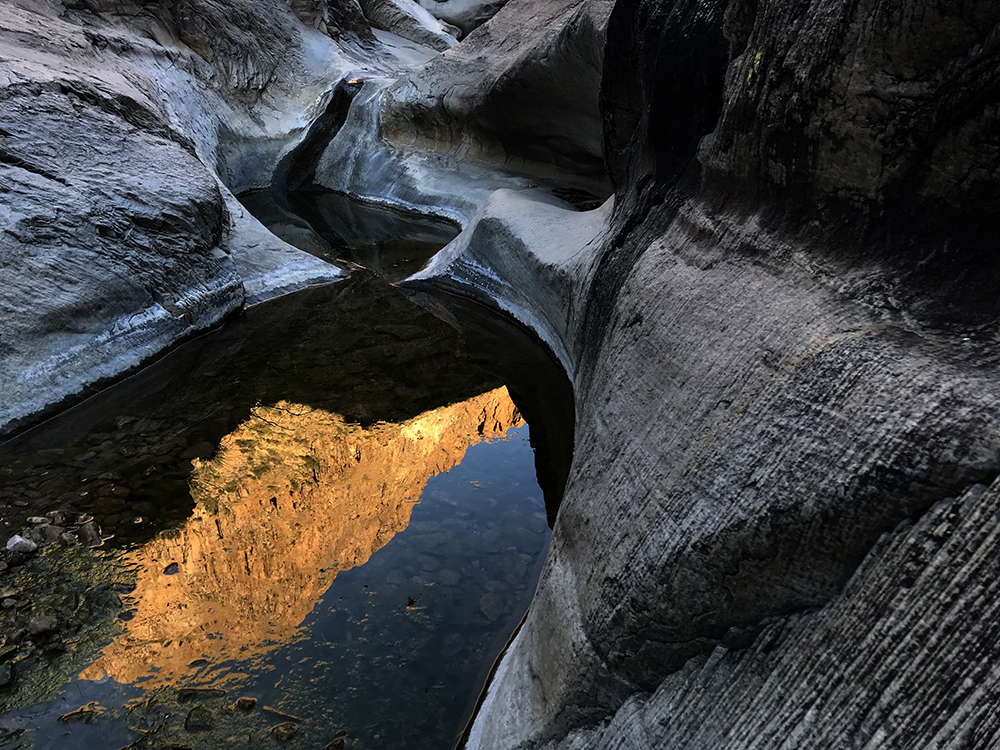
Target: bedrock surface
{"x": 784, "y": 428}
{"x": 124, "y": 132}
{"x": 771, "y": 372}
{"x": 905, "y": 656}
{"x": 514, "y": 106}
{"x": 130, "y": 127}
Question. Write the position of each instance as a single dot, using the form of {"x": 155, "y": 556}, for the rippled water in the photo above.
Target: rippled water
{"x": 325, "y": 507}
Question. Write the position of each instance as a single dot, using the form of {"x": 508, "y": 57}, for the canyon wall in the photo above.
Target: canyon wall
{"x": 794, "y": 295}
{"x": 125, "y": 130}
{"x": 127, "y": 127}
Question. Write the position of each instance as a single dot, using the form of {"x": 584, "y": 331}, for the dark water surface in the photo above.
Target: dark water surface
{"x": 392, "y": 244}
{"x": 325, "y": 506}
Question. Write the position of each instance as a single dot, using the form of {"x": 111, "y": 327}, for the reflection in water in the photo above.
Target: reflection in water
{"x": 356, "y": 348}
{"x": 333, "y": 226}
{"x": 307, "y": 507}
{"x": 293, "y": 496}
{"x": 195, "y": 470}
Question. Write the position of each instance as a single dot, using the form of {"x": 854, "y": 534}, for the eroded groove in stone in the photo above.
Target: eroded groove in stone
{"x": 905, "y": 656}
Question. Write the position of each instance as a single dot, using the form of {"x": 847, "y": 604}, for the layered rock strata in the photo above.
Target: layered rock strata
{"x": 914, "y": 635}
{"x": 795, "y": 294}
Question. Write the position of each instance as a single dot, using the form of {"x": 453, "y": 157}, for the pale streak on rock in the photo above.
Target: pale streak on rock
{"x": 466, "y": 15}
{"x": 408, "y": 19}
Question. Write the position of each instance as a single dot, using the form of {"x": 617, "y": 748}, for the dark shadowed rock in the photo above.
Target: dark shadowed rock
{"x": 521, "y": 91}
{"x": 284, "y": 731}
{"x": 463, "y": 14}
{"x": 41, "y": 626}
{"x": 199, "y": 719}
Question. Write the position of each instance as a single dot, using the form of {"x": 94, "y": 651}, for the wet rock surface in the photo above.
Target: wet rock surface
{"x": 58, "y": 604}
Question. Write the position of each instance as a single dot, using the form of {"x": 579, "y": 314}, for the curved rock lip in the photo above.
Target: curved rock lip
{"x": 75, "y": 365}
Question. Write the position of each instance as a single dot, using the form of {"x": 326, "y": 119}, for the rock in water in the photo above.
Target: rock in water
{"x": 199, "y": 719}
{"x": 42, "y": 626}
{"x": 112, "y": 254}
{"x": 491, "y": 605}
{"x": 284, "y": 731}
{"x": 18, "y": 543}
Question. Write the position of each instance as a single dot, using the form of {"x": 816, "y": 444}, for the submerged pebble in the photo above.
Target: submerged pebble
{"x": 42, "y": 625}
{"x": 284, "y": 731}
{"x": 491, "y": 605}
{"x": 199, "y": 719}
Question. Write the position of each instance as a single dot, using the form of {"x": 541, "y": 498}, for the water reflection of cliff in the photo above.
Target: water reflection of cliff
{"x": 293, "y": 495}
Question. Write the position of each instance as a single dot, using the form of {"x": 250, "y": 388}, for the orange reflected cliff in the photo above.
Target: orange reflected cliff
{"x": 291, "y": 496}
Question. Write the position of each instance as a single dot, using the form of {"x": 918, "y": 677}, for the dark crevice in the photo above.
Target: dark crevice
{"x": 297, "y": 169}
{"x": 537, "y": 383}
{"x": 16, "y": 161}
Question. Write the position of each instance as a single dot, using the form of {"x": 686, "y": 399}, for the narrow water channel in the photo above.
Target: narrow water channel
{"x": 317, "y": 525}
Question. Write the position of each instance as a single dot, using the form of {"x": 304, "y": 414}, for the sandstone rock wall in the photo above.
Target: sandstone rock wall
{"x": 807, "y": 345}
{"x": 521, "y": 91}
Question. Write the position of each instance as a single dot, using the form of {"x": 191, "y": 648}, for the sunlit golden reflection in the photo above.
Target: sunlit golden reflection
{"x": 293, "y": 495}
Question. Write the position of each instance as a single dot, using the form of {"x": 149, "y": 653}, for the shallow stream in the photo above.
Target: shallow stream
{"x": 317, "y": 525}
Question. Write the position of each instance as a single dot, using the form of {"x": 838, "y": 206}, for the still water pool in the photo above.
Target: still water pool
{"x": 316, "y": 526}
